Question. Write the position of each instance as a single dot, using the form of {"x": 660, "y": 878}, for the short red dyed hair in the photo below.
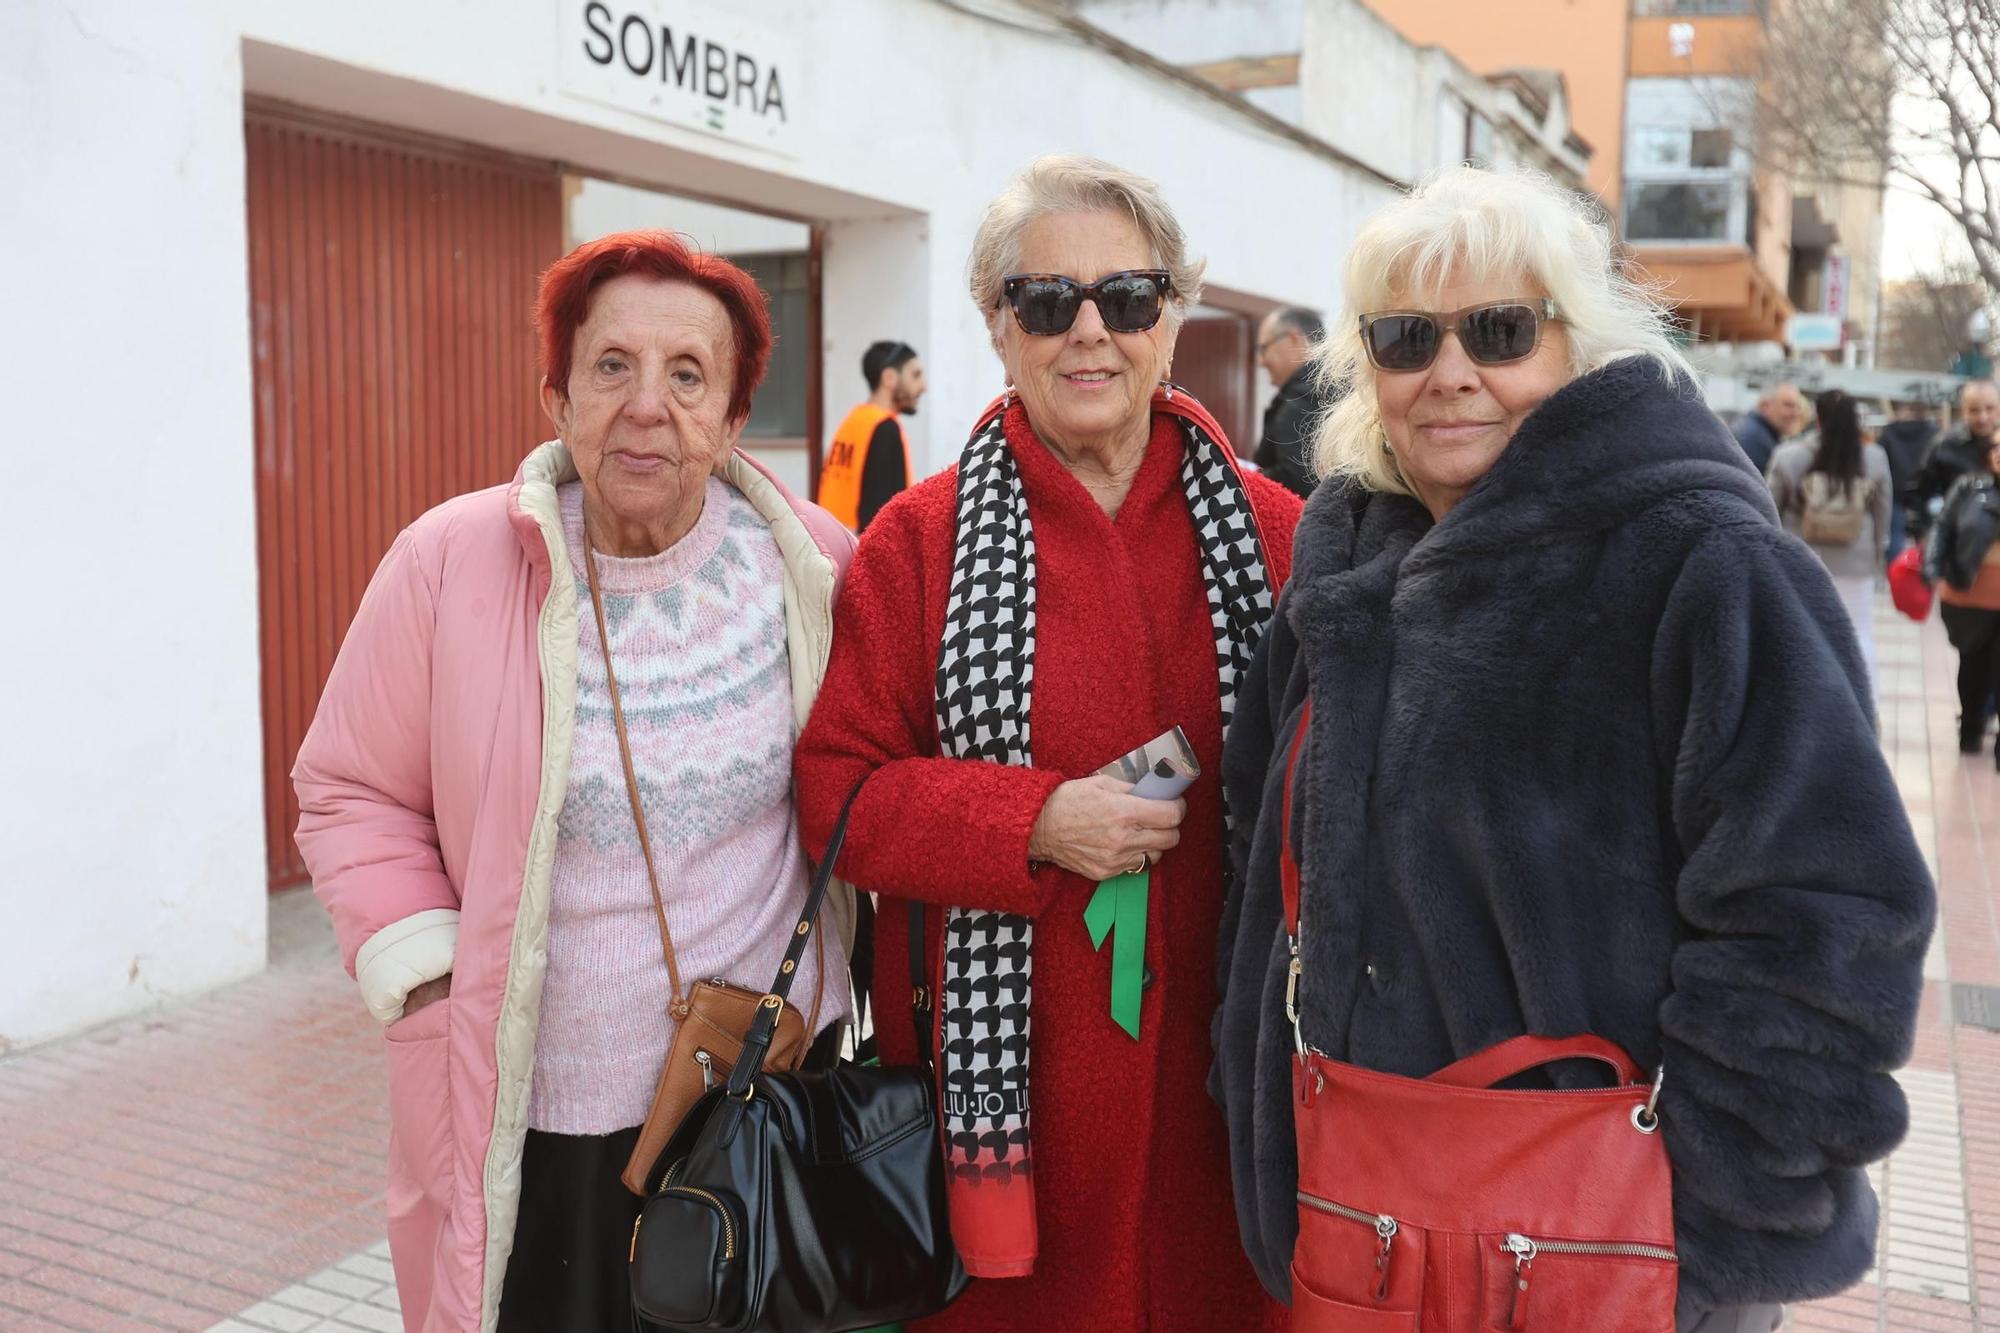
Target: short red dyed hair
{"x": 564, "y": 301}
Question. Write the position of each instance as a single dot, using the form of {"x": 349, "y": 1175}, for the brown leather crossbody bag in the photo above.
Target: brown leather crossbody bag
{"x": 713, "y": 1016}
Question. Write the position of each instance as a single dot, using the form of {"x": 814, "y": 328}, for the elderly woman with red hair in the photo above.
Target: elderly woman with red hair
{"x": 559, "y": 734}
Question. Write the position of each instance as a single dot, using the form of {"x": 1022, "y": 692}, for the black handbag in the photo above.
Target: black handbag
{"x": 800, "y": 1202}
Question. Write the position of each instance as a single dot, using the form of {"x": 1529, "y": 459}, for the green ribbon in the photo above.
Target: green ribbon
{"x": 1118, "y": 908}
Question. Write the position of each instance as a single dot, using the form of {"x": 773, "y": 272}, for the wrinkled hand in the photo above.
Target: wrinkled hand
{"x": 1095, "y": 827}
{"x": 422, "y": 995}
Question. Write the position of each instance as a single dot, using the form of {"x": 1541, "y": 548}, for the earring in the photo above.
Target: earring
{"x": 1007, "y": 396}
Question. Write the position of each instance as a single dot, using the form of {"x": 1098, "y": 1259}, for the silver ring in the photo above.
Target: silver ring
{"x": 1644, "y": 1119}
{"x": 1145, "y": 859}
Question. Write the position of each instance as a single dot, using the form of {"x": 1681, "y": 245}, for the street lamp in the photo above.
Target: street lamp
{"x": 1975, "y": 362}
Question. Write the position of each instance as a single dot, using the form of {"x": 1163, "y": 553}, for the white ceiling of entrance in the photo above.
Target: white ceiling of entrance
{"x": 597, "y": 207}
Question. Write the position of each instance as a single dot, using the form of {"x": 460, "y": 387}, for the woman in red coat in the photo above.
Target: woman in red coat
{"x": 1094, "y": 572}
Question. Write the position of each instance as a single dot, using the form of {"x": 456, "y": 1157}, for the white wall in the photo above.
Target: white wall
{"x": 877, "y": 282}
{"x": 1364, "y": 87}
{"x": 600, "y": 207}
{"x": 132, "y": 772}
{"x": 937, "y": 153}
{"x": 1195, "y": 32}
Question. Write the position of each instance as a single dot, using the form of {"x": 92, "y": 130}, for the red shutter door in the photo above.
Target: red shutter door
{"x": 1214, "y": 358}
{"x": 391, "y": 286}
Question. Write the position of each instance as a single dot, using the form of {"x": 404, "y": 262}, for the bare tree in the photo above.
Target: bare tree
{"x": 1852, "y": 90}
{"x": 1924, "y": 318}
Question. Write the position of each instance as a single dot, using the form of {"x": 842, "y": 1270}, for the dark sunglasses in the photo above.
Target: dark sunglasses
{"x": 1401, "y": 341}
{"x": 1046, "y": 304}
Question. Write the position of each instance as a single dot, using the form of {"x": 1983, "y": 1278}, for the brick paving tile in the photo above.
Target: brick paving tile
{"x": 149, "y": 1169}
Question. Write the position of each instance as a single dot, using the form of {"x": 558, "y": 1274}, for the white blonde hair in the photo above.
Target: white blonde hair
{"x": 1474, "y": 224}
{"x": 1072, "y": 183}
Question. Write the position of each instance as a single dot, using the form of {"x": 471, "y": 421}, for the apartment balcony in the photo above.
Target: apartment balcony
{"x": 1690, "y": 233}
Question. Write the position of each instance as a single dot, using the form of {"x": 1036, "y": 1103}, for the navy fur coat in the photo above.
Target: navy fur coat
{"x": 1593, "y": 754}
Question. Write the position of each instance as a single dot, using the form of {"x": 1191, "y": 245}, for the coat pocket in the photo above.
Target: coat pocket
{"x": 420, "y": 1132}
{"x": 1555, "y": 1286}
{"x": 1360, "y": 1259}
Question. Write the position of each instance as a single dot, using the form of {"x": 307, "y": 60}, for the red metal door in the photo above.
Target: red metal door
{"x": 391, "y": 284}
{"x": 1214, "y": 359}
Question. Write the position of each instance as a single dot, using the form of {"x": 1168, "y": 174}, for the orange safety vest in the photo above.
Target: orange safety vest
{"x": 840, "y": 476}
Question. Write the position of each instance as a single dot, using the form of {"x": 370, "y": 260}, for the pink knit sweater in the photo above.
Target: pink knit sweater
{"x": 698, "y": 638}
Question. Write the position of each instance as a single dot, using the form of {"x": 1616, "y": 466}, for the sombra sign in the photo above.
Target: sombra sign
{"x": 693, "y": 66}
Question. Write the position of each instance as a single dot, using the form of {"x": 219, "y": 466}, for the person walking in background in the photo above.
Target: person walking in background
{"x": 1779, "y": 415}
{"x": 1904, "y": 442}
{"x": 1284, "y": 348}
{"x": 1958, "y": 452}
{"x": 869, "y": 463}
{"x": 1963, "y": 561}
{"x": 1835, "y": 491}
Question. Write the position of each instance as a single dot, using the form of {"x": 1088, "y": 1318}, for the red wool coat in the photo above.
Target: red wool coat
{"x": 1132, "y": 1194}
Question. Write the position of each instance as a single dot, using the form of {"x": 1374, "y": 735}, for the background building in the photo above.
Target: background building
{"x": 1666, "y": 91}
{"x": 277, "y": 266}
{"x": 1341, "y": 73}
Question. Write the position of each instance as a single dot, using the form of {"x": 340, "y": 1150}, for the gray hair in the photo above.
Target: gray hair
{"x": 1471, "y": 221}
{"x": 1071, "y": 183}
{"x": 1300, "y": 319}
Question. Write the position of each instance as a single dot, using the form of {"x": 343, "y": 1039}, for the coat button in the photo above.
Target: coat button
{"x": 1146, "y": 980}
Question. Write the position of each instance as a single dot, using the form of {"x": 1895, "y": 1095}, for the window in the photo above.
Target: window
{"x": 1672, "y": 150}
{"x": 1464, "y": 135}
{"x": 779, "y": 409}
{"x": 1678, "y": 210}
{"x": 1655, "y": 148}
{"x": 1676, "y": 8}
{"x": 1479, "y": 141}
{"x": 1710, "y": 148}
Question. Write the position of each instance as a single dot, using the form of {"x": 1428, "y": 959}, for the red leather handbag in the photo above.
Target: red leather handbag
{"x": 1447, "y": 1205}
{"x": 1907, "y": 588}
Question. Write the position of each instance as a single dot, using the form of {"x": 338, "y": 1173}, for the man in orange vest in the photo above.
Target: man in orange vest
{"x": 869, "y": 460}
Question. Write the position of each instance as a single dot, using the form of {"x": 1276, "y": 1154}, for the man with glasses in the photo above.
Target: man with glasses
{"x": 1284, "y": 348}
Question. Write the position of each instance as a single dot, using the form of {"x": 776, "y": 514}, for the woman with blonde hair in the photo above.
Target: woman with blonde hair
{"x": 1558, "y": 736}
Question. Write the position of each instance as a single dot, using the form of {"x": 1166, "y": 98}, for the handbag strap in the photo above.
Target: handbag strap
{"x": 679, "y": 1000}
{"x": 1498, "y": 1063}
{"x": 922, "y": 1001}
{"x": 1288, "y": 861}
{"x": 757, "y": 1042}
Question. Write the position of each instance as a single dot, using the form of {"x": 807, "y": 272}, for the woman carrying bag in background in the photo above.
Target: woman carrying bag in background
{"x": 1834, "y": 490}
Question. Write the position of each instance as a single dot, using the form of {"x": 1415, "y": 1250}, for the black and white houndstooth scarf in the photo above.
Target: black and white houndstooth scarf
{"x": 985, "y": 679}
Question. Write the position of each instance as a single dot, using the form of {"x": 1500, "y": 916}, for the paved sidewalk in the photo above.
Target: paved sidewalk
{"x": 1938, "y": 1259}
{"x": 218, "y": 1166}
{"x": 174, "y": 1170}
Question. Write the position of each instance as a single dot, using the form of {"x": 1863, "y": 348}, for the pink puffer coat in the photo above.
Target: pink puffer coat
{"x": 429, "y": 786}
